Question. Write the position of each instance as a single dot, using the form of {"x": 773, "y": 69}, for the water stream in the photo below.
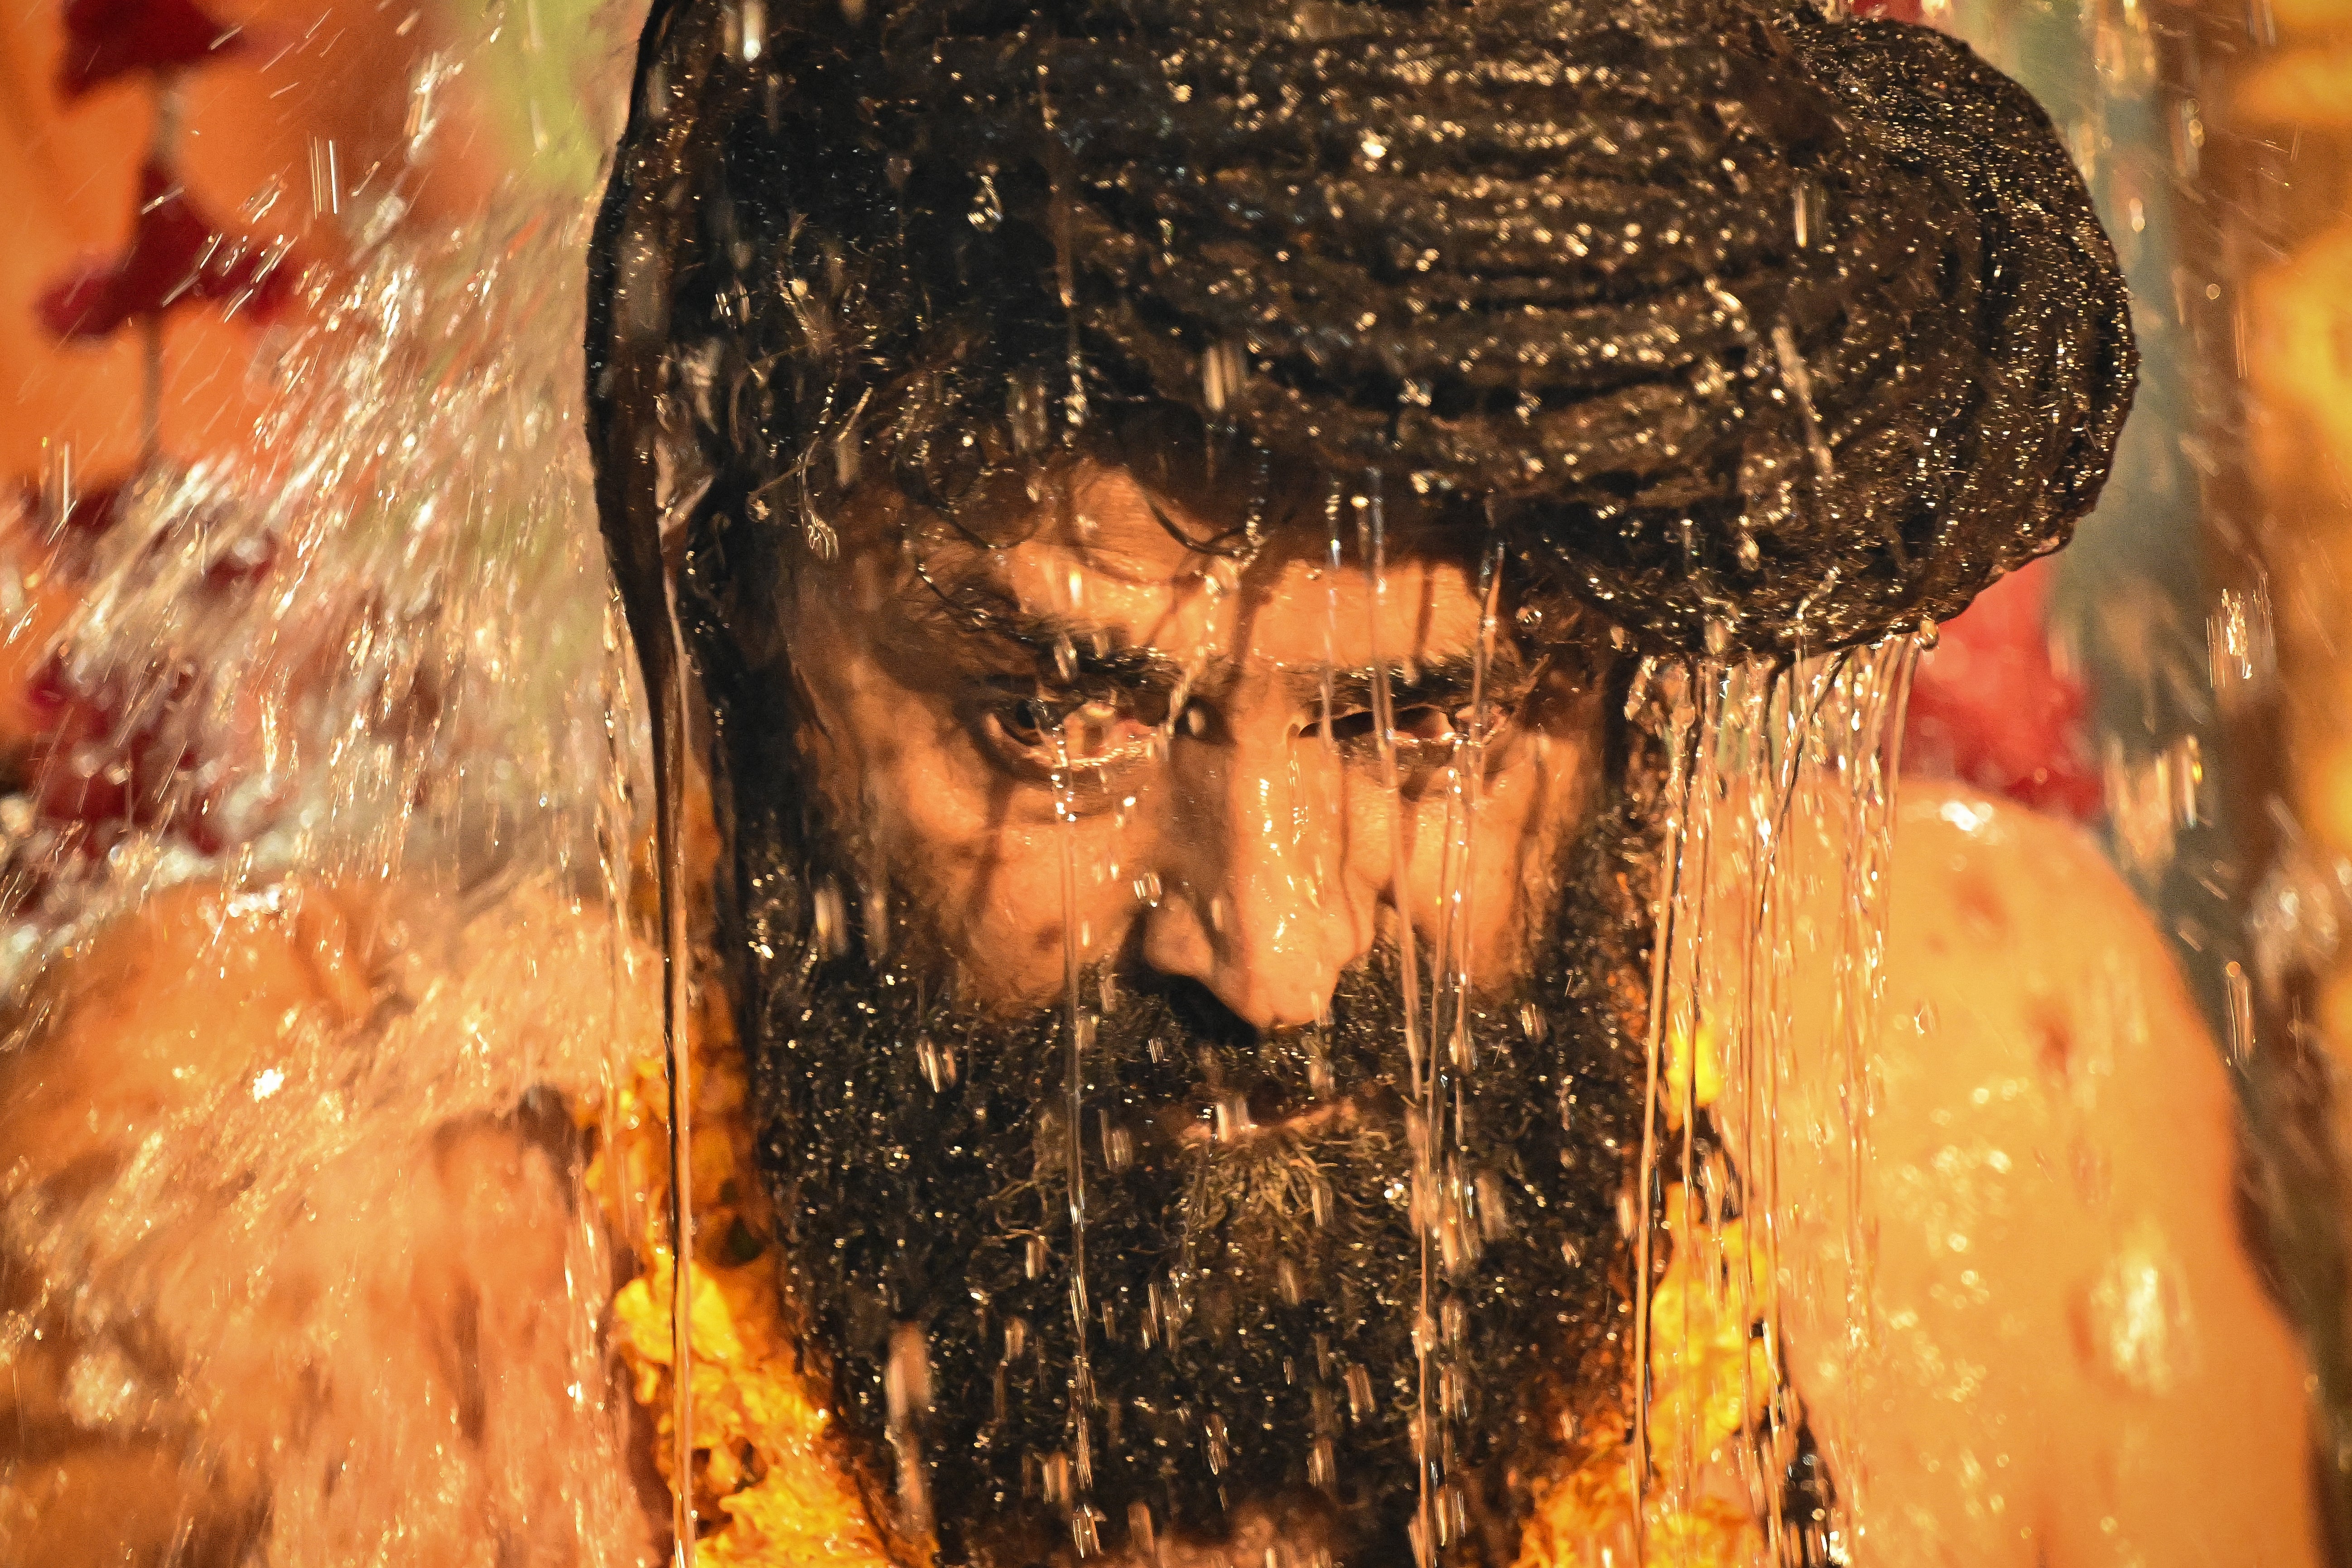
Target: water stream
{"x": 374, "y": 689}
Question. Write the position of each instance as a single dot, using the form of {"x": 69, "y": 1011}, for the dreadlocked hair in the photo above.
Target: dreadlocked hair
{"x": 1758, "y": 331}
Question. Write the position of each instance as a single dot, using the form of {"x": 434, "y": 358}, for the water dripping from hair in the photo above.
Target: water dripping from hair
{"x": 669, "y": 709}
{"x": 1781, "y": 778}
{"x": 1078, "y": 1025}
{"x": 1682, "y": 734}
{"x": 1428, "y": 1108}
{"x": 1467, "y": 1214}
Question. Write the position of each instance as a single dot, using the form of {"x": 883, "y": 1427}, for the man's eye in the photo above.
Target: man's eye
{"x": 1421, "y": 730}
{"x": 1047, "y": 732}
{"x": 1428, "y": 724}
{"x": 1027, "y": 722}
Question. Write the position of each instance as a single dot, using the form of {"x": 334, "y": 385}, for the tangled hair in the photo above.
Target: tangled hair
{"x": 1755, "y": 330}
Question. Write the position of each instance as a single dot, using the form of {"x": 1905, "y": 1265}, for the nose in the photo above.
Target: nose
{"x": 1257, "y": 901}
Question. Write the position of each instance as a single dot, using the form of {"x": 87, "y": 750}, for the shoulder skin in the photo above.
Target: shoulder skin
{"x": 281, "y": 1270}
{"x": 2078, "y": 1363}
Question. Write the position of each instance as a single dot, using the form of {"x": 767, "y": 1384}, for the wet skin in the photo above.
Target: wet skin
{"x": 1192, "y": 740}
{"x": 2057, "y": 1131}
{"x": 1241, "y": 834}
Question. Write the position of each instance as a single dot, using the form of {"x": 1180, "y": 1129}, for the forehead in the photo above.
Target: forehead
{"x": 1096, "y": 548}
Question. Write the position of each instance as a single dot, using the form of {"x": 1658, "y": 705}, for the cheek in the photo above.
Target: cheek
{"x": 1498, "y": 879}
{"x": 977, "y": 855}
{"x": 1007, "y": 900}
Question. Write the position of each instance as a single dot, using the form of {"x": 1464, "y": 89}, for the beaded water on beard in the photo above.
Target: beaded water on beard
{"x": 1250, "y": 1300}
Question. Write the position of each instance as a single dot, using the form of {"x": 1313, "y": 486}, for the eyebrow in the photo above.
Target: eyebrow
{"x": 1445, "y": 680}
{"x": 1095, "y": 650}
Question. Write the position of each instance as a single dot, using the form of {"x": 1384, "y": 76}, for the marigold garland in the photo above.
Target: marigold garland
{"x": 770, "y": 1470}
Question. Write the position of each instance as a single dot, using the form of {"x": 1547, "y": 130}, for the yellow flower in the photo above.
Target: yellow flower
{"x": 767, "y": 1468}
{"x": 1681, "y": 1060}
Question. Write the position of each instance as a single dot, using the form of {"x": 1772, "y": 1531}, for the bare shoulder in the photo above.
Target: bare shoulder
{"x": 282, "y": 1199}
{"x": 2084, "y": 1364}
{"x": 151, "y": 1012}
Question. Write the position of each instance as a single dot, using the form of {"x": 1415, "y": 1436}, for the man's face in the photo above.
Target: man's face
{"x": 1097, "y": 1073}
{"x": 989, "y": 720}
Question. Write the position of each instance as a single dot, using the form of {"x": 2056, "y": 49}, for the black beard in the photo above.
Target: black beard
{"x": 1249, "y": 1300}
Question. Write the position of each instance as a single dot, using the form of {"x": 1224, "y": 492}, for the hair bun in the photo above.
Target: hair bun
{"x": 1756, "y": 330}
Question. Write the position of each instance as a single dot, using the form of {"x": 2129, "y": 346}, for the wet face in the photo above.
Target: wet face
{"x": 1090, "y": 1083}
{"x": 1195, "y": 737}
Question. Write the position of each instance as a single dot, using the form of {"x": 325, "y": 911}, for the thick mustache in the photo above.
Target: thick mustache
{"x": 1266, "y": 1107}
{"x": 1298, "y": 1182}
{"x": 1266, "y": 1213}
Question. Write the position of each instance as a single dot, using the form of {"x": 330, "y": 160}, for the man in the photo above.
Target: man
{"x": 1162, "y": 504}
{"x": 1159, "y": 501}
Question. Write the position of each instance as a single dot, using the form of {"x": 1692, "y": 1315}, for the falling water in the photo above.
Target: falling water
{"x": 1427, "y": 1132}
{"x": 675, "y": 882}
{"x": 1077, "y": 1027}
{"x": 1462, "y": 1191}
{"x": 1772, "y": 872}
{"x": 385, "y": 659}
{"x": 364, "y": 659}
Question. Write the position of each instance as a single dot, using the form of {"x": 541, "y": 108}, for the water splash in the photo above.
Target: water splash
{"x": 355, "y": 670}
{"x": 1774, "y": 862}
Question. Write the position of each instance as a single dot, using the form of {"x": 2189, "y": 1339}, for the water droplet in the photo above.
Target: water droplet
{"x": 832, "y": 921}
{"x": 2140, "y": 1332}
{"x": 1117, "y": 1143}
{"x": 2240, "y": 645}
{"x": 1359, "y": 1384}
{"x": 2240, "y": 999}
{"x": 907, "y": 1395}
{"x": 1323, "y": 1464}
{"x": 987, "y": 208}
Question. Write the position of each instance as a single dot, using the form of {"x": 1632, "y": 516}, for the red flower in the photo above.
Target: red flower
{"x": 1990, "y": 706}
{"x": 164, "y": 744}
{"x": 176, "y": 256}
{"x": 108, "y": 38}
{"x": 89, "y": 513}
